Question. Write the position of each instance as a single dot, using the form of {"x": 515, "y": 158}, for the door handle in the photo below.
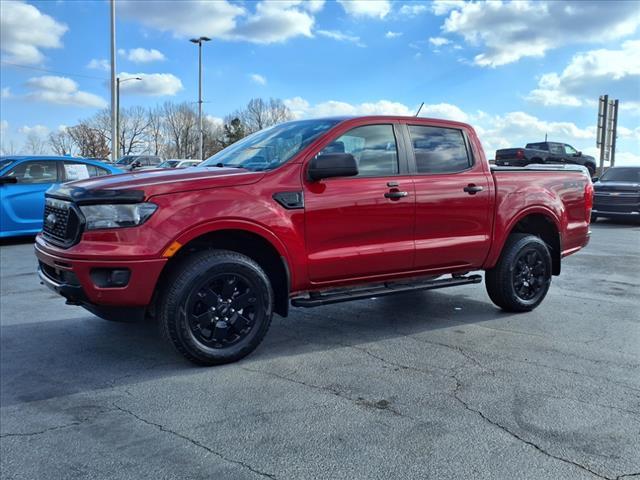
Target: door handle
{"x": 472, "y": 189}
{"x": 396, "y": 195}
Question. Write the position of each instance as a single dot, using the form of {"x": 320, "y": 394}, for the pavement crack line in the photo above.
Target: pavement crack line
{"x": 479, "y": 413}
{"x": 194, "y": 442}
{"x": 56, "y": 427}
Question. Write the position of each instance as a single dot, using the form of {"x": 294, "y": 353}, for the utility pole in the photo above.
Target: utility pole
{"x": 601, "y": 140}
{"x": 114, "y": 99}
{"x": 118, "y": 82}
{"x": 614, "y": 131}
{"x": 199, "y": 42}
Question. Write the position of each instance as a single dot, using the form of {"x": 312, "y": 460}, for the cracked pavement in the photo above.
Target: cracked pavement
{"x": 435, "y": 384}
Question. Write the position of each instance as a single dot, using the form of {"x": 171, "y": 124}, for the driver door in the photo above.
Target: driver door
{"x": 359, "y": 227}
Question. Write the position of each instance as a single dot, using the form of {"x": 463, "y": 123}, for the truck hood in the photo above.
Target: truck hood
{"x": 163, "y": 181}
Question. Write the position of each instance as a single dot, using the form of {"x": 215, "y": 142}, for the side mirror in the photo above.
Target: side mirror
{"x": 331, "y": 165}
{"x": 579, "y": 154}
{"x": 7, "y": 179}
{"x": 594, "y": 179}
{"x": 136, "y": 164}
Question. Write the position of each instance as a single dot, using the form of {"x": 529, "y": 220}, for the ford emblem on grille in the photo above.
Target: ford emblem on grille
{"x": 51, "y": 219}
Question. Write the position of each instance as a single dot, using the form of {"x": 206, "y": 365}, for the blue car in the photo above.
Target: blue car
{"x": 23, "y": 181}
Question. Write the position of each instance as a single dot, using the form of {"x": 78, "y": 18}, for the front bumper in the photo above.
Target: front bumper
{"x": 72, "y": 278}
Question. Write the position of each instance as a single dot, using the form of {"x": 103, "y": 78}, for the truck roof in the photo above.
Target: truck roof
{"x": 405, "y": 118}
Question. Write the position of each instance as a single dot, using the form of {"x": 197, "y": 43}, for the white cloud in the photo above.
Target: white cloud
{"x": 6, "y": 92}
{"x": 39, "y": 130}
{"x": 258, "y": 79}
{"x": 99, "y": 64}
{"x": 4, "y": 125}
{"x": 590, "y": 74}
{"x": 272, "y": 20}
{"x": 301, "y": 108}
{"x": 142, "y": 55}
{"x": 413, "y": 9}
{"x": 340, "y": 36}
{"x": 509, "y": 31}
{"x": 442, "y": 7}
{"x": 24, "y": 30}
{"x": 153, "y": 84}
{"x": 215, "y": 121}
{"x": 439, "y": 41}
{"x": 366, "y": 8}
{"x": 391, "y": 34}
{"x": 214, "y": 19}
{"x": 276, "y": 21}
{"x": 61, "y": 91}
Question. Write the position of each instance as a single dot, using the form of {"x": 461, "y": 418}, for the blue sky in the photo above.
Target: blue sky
{"x": 514, "y": 70}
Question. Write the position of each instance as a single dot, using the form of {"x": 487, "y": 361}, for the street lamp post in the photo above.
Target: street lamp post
{"x": 199, "y": 42}
{"x": 118, "y": 82}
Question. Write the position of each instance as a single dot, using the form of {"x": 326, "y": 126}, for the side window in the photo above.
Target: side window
{"x": 438, "y": 149}
{"x": 155, "y": 161}
{"x": 556, "y": 149}
{"x": 569, "y": 150}
{"x": 36, "y": 172}
{"x": 374, "y": 148}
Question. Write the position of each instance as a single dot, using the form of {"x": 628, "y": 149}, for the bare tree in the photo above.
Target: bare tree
{"x": 133, "y": 125}
{"x": 8, "y": 148}
{"x": 35, "y": 144}
{"x": 155, "y": 131}
{"x": 181, "y": 123}
{"x": 61, "y": 142}
{"x": 91, "y": 142}
{"x": 259, "y": 114}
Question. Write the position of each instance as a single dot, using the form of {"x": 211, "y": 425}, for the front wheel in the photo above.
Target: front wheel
{"x": 216, "y": 307}
{"x": 521, "y": 279}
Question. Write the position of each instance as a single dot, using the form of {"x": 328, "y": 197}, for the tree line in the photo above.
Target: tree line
{"x": 169, "y": 130}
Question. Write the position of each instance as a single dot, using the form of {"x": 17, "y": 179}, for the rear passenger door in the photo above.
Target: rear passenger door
{"x": 453, "y": 221}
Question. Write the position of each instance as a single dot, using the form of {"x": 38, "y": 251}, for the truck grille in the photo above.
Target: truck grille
{"x": 61, "y": 225}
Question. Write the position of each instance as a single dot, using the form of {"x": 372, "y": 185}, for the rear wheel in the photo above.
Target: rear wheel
{"x": 521, "y": 279}
{"x": 594, "y": 218}
{"x": 216, "y": 307}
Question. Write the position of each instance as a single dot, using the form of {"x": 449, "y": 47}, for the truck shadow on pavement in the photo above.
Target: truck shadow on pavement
{"x": 44, "y": 360}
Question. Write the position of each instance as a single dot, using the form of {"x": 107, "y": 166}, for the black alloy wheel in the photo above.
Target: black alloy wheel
{"x": 529, "y": 275}
{"x": 222, "y": 311}
{"x": 215, "y": 306}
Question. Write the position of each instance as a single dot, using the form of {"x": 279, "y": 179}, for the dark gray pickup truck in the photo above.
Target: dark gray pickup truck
{"x": 544, "y": 152}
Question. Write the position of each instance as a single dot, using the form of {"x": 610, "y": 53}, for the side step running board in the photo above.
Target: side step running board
{"x": 315, "y": 300}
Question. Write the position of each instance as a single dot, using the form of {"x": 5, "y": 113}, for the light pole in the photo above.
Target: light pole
{"x": 199, "y": 41}
{"x": 114, "y": 105}
{"x": 118, "y": 82}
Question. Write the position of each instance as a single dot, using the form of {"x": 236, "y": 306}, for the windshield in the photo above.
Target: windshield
{"x": 126, "y": 160}
{"x": 271, "y": 147}
{"x": 622, "y": 174}
{"x": 169, "y": 164}
{"x": 5, "y": 162}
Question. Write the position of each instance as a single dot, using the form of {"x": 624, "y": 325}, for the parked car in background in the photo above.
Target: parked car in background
{"x": 617, "y": 194}
{"x": 138, "y": 162}
{"x": 544, "y": 152}
{"x": 23, "y": 181}
{"x": 177, "y": 163}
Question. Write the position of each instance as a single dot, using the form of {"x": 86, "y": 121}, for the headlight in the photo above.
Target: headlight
{"x": 116, "y": 216}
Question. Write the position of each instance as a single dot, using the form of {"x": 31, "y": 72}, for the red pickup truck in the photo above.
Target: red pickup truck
{"x": 309, "y": 213}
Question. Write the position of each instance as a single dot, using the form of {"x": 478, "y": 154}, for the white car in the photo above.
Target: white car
{"x": 178, "y": 163}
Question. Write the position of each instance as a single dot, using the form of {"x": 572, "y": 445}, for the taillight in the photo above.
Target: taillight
{"x": 588, "y": 199}
{"x": 520, "y": 154}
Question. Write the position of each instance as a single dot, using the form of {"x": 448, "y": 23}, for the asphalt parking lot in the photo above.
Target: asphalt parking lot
{"x": 436, "y": 384}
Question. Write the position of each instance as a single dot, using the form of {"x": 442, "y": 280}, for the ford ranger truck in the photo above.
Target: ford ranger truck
{"x": 309, "y": 213}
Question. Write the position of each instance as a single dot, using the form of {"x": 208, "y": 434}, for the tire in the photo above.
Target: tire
{"x": 216, "y": 307}
{"x": 594, "y": 218}
{"x": 521, "y": 278}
